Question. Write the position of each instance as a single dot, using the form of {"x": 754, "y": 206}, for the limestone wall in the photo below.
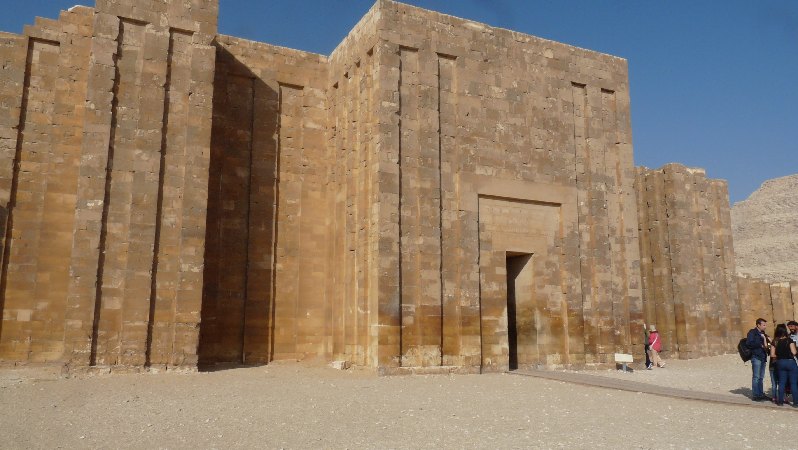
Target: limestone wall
{"x": 288, "y": 265}
{"x": 38, "y": 181}
{"x": 687, "y": 261}
{"x": 267, "y": 206}
{"x": 364, "y": 206}
{"x": 774, "y": 302}
{"x": 354, "y": 214}
{"x": 374, "y": 234}
{"x": 377, "y": 255}
{"x": 105, "y": 146}
{"x": 468, "y": 115}
{"x": 436, "y": 195}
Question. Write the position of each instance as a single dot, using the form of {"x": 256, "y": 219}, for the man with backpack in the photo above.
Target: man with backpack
{"x": 756, "y": 341}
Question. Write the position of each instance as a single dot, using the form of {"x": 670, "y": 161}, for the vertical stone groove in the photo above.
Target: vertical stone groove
{"x": 247, "y": 222}
{"x": 399, "y": 113}
{"x": 440, "y": 200}
{"x": 452, "y": 290}
{"x": 580, "y": 142}
{"x": 272, "y": 304}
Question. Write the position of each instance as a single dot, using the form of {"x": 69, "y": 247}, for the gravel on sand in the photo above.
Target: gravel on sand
{"x": 296, "y": 405}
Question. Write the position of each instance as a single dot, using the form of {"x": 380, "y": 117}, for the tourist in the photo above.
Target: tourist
{"x": 654, "y": 347}
{"x": 793, "y": 327}
{"x": 757, "y": 342}
{"x": 784, "y": 351}
{"x": 774, "y": 374}
{"x": 645, "y": 347}
{"x": 774, "y": 380}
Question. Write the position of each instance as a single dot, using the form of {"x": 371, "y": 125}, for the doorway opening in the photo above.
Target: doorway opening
{"x": 517, "y": 288}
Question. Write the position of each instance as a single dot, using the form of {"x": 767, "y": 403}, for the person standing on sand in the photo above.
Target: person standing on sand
{"x": 654, "y": 347}
{"x": 783, "y": 351}
{"x": 757, "y": 343}
{"x": 645, "y": 347}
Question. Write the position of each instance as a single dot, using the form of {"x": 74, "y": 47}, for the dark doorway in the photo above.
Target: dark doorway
{"x": 516, "y": 262}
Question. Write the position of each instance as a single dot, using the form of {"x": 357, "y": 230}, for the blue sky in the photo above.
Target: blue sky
{"x": 714, "y": 84}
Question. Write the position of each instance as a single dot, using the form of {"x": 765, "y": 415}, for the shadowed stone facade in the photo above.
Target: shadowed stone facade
{"x": 436, "y": 195}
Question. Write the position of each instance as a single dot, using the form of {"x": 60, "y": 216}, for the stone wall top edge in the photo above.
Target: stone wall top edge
{"x": 679, "y": 167}
{"x": 199, "y": 16}
{"x": 465, "y": 22}
{"x": 753, "y": 279}
{"x": 10, "y": 35}
{"x": 366, "y": 25}
{"x": 77, "y": 9}
{"x": 233, "y": 40}
{"x": 81, "y": 9}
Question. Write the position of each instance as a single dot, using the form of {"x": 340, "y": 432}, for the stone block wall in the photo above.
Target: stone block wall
{"x": 105, "y": 145}
{"x": 687, "y": 261}
{"x": 363, "y": 206}
{"x": 268, "y": 226}
{"x": 37, "y": 166}
{"x": 471, "y": 114}
{"x": 436, "y": 195}
{"x": 774, "y": 302}
{"x": 355, "y": 208}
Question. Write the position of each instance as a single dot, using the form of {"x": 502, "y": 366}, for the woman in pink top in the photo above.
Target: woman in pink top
{"x": 654, "y": 347}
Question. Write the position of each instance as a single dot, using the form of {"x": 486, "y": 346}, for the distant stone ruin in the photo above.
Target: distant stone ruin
{"x": 437, "y": 195}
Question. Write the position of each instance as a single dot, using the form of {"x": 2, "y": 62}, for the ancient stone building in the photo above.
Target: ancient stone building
{"x": 379, "y": 204}
{"x": 436, "y": 195}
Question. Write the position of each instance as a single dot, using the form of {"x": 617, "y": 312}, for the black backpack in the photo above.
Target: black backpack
{"x": 744, "y": 351}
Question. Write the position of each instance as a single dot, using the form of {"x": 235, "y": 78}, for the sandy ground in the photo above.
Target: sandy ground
{"x": 301, "y": 406}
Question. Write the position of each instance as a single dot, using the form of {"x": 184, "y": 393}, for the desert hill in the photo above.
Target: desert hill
{"x": 765, "y": 229}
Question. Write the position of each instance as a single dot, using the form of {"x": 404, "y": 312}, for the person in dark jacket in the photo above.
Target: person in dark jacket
{"x": 649, "y": 366}
{"x": 757, "y": 342}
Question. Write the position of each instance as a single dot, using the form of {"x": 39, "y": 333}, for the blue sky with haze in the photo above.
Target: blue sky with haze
{"x": 714, "y": 84}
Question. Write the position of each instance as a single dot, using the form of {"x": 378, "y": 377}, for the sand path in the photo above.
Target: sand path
{"x": 300, "y": 406}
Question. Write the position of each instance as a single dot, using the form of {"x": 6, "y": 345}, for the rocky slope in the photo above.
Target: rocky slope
{"x": 765, "y": 228}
